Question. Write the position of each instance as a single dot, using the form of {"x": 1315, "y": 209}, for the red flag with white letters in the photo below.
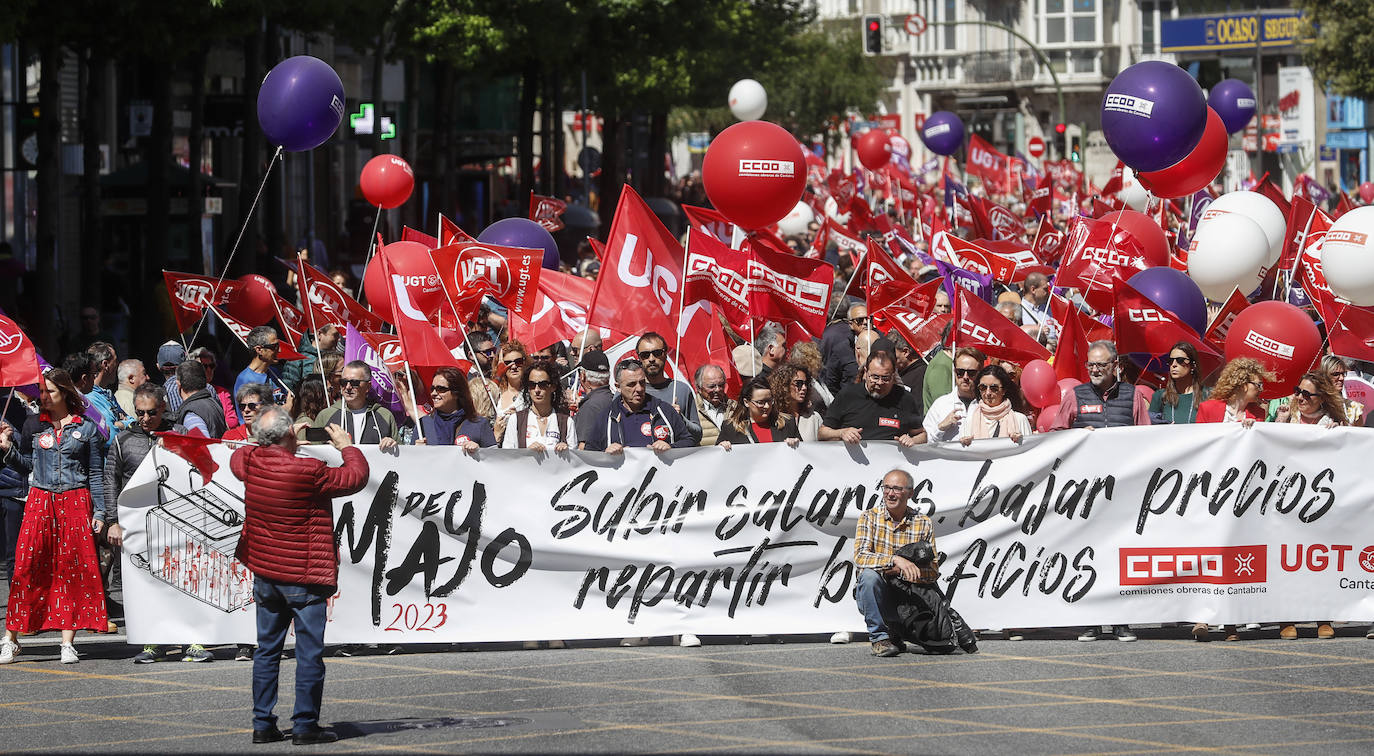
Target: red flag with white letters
{"x": 286, "y": 351}
{"x": 788, "y": 288}
{"x": 331, "y": 304}
{"x": 719, "y": 275}
{"x": 640, "y": 283}
{"x": 983, "y": 327}
{"x": 191, "y": 294}
{"x": 1146, "y": 328}
{"x": 987, "y": 163}
{"x": 1096, "y": 253}
{"x": 1221, "y": 324}
{"x": 470, "y": 270}
{"x": 419, "y": 338}
{"x": 710, "y": 221}
{"x": 559, "y": 312}
{"x": 880, "y": 280}
{"x": 547, "y": 211}
{"x": 449, "y": 233}
{"x": 921, "y": 332}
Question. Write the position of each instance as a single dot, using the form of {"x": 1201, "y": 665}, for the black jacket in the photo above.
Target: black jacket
{"x": 126, "y": 453}
{"x": 729, "y": 433}
{"x": 204, "y": 404}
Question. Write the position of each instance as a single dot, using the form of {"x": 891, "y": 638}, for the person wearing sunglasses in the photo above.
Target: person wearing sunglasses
{"x": 251, "y": 398}
{"x": 454, "y": 421}
{"x": 998, "y": 413}
{"x": 544, "y": 424}
{"x": 756, "y": 420}
{"x": 1334, "y": 369}
{"x": 793, "y": 390}
{"x": 947, "y": 412}
{"x": 1315, "y": 401}
{"x": 652, "y": 351}
{"x": 1235, "y": 398}
{"x": 1177, "y": 402}
{"x": 364, "y": 420}
{"x": 485, "y": 390}
{"x": 262, "y": 368}
{"x": 510, "y": 379}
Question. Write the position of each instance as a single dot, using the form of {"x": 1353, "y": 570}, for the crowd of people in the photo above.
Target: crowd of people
{"x": 69, "y": 451}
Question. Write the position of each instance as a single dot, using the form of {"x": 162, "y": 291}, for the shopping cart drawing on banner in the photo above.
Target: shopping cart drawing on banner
{"x": 191, "y": 538}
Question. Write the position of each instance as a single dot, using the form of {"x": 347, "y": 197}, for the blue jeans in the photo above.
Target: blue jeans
{"x": 871, "y": 594}
{"x": 278, "y": 604}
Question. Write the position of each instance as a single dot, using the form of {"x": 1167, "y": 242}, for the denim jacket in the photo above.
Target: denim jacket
{"x": 75, "y": 461}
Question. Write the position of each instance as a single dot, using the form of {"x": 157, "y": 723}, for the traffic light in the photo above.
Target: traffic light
{"x": 873, "y": 35}
{"x": 1061, "y": 140}
{"x": 1076, "y": 148}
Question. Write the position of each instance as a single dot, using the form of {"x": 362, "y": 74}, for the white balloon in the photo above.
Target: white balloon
{"x": 1348, "y": 256}
{"x": 1259, "y": 209}
{"x": 1227, "y": 251}
{"x": 1132, "y": 193}
{"x": 832, "y": 211}
{"x": 748, "y": 100}
{"x": 796, "y": 221}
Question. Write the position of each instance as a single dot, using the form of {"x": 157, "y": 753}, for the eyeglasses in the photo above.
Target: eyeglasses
{"x": 354, "y": 382}
{"x": 274, "y": 346}
{"x": 655, "y": 353}
{"x": 437, "y": 389}
{"x": 546, "y": 385}
{"x": 489, "y": 351}
{"x": 880, "y": 377}
{"x": 990, "y": 388}
{"x": 541, "y": 357}
{"x": 713, "y": 387}
{"x": 1180, "y": 360}
{"x": 147, "y": 413}
{"x": 1101, "y": 365}
{"x": 1338, "y": 375}
{"x": 763, "y": 402}
{"x": 1304, "y": 393}
{"x": 250, "y": 406}
{"x": 800, "y": 384}
{"x": 517, "y": 362}
{"x": 965, "y": 372}
{"x": 861, "y": 319}
{"x": 893, "y": 489}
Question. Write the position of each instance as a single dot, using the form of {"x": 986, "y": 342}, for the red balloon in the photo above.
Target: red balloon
{"x": 874, "y": 148}
{"x": 1145, "y": 230}
{"x": 1281, "y": 337}
{"x": 255, "y": 301}
{"x": 410, "y": 260}
{"x": 1197, "y": 169}
{"x": 754, "y": 173}
{"x": 1044, "y": 422}
{"x": 387, "y": 181}
{"x": 1039, "y": 384}
{"x": 1367, "y": 192}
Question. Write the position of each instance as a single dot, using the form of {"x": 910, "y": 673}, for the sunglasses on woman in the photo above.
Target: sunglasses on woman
{"x": 1302, "y": 393}
{"x": 546, "y": 385}
{"x": 517, "y": 362}
{"x": 1180, "y": 360}
{"x": 990, "y": 388}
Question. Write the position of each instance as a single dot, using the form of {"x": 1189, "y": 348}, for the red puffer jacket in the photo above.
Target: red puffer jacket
{"x": 288, "y": 531}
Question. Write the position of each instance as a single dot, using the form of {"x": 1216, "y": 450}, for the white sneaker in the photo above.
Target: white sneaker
{"x": 8, "y": 650}
{"x": 840, "y": 637}
{"x": 69, "y": 655}
{"x": 689, "y": 640}
{"x": 632, "y": 642}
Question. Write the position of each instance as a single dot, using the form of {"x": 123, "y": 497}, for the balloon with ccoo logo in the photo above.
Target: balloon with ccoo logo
{"x": 522, "y": 232}
{"x": 754, "y": 173}
{"x": 1282, "y": 337}
{"x": 1153, "y": 115}
{"x": 387, "y": 181}
{"x": 420, "y": 283}
{"x": 301, "y": 103}
{"x": 1348, "y": 257}
{"x": 1234, "y": 102}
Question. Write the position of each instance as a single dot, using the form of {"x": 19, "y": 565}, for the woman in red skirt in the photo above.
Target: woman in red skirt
{"x": 56, "y": 583}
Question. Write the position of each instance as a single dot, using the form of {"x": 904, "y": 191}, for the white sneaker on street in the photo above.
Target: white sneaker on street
{"x": 1089, "y": 635}
{"x": 69, "y": 655}
{"x": 840, "y": 637}
{"x": 8, "y": 650}
{"x": 632, "y": 642}
{"x": 689, "y": 640}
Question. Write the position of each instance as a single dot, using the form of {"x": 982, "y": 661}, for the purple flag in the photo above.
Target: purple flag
{"x": 973, "y": 282}
{"x": 357, "y": 348}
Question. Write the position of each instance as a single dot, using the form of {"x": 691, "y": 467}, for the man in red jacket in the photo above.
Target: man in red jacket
{"x": 288, "y": 544}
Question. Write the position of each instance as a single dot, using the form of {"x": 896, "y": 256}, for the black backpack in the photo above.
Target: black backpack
{"x": 923, "y": 614}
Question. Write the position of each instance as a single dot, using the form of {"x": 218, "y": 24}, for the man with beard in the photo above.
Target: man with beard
{"x": 652, "y": 350}
{"x": 946, "y": 413}
{"x": 874, "y": 410}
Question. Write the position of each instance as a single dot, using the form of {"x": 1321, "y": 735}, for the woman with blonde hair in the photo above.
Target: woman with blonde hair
{"x": 1315, "y": 401}
{"x": 794, "y": 394}
{"x": 1235, "y": 399}
{"x": 808, "y": 355}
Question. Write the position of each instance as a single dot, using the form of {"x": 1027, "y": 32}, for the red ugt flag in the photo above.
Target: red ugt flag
{"x": 419, "y": 339}
{"x": 547, "y": 211}
{"x": 191, "y": 294}
{"x": 640, "y": 285}
{"x": 469, "y": 270}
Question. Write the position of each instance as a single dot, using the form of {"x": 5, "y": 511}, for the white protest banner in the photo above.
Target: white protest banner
{"x": 1201, "y": 523}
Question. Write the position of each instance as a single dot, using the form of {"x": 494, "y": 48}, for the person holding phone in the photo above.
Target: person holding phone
{"x": 56, "y": 583}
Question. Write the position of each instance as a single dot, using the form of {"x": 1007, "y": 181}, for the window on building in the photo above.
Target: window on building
{"x": 1152, "y": 16}
{"x": 1069, "y": 21}
{"x": 951, "y": 13}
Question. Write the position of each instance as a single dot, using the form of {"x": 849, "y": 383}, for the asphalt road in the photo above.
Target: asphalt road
{"x": 1049, "y": 694}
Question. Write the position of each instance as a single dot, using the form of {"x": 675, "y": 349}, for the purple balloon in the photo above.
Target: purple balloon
{"x": 522, "y": 232}
{"x": 1153, "y": 115}
{"x": 943, "y": 133}
{"x": 1234, "y": 101}
{"x": 1174, "y": 291}
{"x": 301, "y": 103}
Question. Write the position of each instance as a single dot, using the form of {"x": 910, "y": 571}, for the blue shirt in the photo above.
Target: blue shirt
{"x": 271, "y": 378}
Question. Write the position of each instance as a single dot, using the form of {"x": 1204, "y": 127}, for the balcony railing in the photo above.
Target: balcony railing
{"x": 999, "y": 67}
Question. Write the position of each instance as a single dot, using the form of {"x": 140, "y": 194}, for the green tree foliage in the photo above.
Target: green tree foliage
{"x": 1343, "y": 32}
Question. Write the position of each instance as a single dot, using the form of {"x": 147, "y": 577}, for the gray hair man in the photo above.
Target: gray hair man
{"x": 713, "y": 402}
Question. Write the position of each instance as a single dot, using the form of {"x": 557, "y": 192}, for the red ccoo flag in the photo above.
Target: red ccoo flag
{"x": 1144, "y": 327}
{"x": 981, "y": 326}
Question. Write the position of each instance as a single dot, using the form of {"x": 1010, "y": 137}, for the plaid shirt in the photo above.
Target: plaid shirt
{"x": 878, "y": 536}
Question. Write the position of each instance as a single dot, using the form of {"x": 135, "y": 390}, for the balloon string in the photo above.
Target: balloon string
{"x": 249, "y": 217}
{"x": 371, "y": 248}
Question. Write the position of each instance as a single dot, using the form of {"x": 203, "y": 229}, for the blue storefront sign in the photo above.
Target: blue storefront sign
{"x": 1231, "y": 31}
{"x": 1346, "y": 140}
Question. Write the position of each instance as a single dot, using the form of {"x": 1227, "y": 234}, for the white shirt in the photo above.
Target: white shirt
{"x": 938, "y": 411}
{"x": 549, "y": 438}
